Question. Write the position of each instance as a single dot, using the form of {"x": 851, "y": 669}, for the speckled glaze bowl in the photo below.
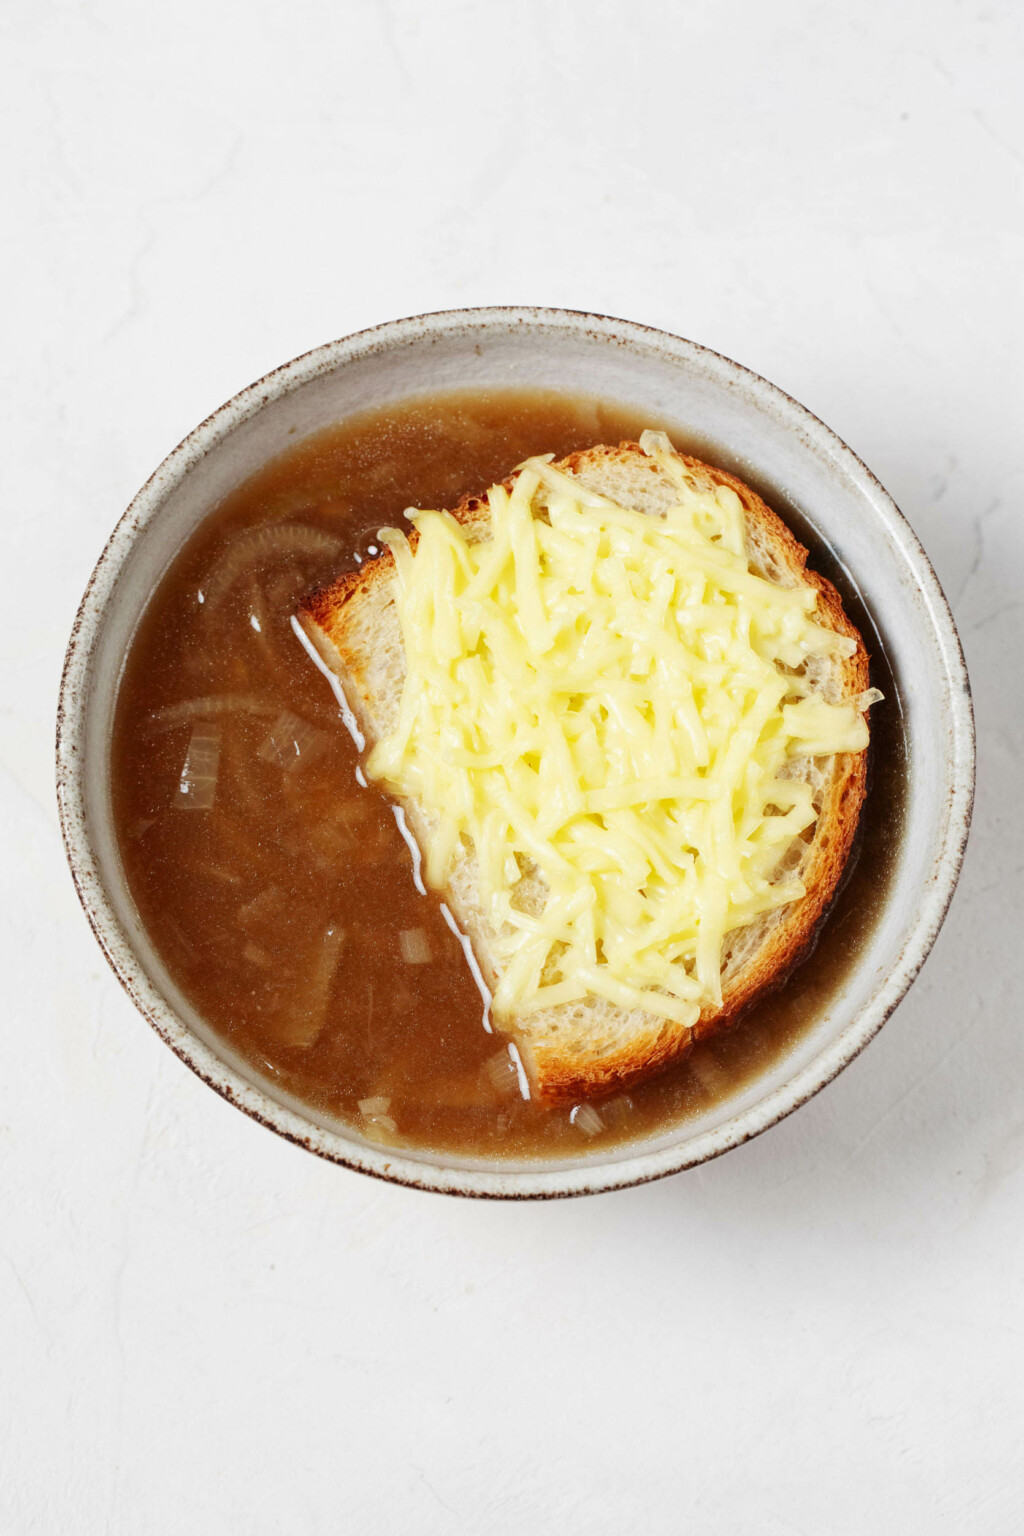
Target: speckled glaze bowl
{"x": 758, "y": 428}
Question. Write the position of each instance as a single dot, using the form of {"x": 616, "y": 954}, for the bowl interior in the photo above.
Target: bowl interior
{"x": 748, "y": 426}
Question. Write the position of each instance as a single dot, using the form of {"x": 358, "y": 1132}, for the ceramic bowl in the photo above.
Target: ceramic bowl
{"x": 759, "y": 429}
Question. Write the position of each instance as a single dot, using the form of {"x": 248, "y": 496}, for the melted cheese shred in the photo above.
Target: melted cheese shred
{"x": 601, "y": 705}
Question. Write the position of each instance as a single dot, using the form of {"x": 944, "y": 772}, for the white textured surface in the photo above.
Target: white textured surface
{"x": 203, "y": 1328}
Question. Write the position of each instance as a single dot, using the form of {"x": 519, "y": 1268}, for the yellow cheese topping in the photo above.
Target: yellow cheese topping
{"x": 601, "y": 705}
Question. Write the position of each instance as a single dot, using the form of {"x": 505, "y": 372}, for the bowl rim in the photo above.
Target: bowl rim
{"x": 430, "y": 1171}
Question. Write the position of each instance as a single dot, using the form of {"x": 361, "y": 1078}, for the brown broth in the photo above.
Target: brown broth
{"x": 280, "y": 910}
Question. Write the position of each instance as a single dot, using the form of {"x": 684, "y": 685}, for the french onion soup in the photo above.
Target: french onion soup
{"x": 492, "y": 911}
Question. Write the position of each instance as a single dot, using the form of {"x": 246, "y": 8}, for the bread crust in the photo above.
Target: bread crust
{"x": 558, "y": 1075}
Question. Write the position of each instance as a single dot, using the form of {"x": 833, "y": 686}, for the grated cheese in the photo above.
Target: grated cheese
{"x": 603, "y": 704}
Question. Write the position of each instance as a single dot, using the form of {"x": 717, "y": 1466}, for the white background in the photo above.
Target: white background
{"x": 203, "y": 1328}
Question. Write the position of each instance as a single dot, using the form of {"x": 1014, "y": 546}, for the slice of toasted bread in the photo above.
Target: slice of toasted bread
{"x": 586, "y": 1049}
